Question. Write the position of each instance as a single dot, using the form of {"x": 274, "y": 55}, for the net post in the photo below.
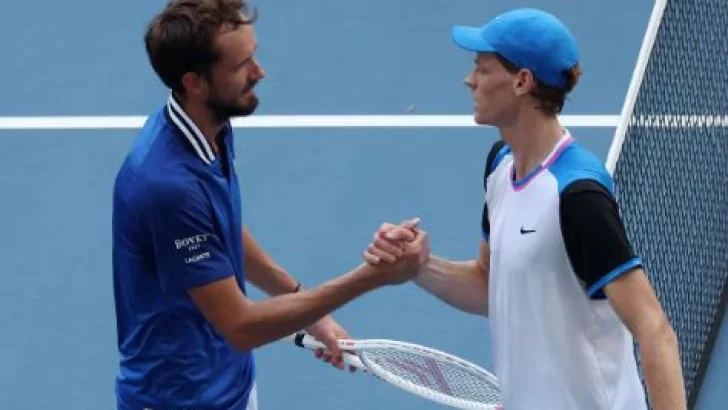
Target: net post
{"x": 639, "y": 72}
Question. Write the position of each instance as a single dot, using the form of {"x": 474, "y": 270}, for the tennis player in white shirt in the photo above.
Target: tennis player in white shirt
{"x": 556, "y": 275}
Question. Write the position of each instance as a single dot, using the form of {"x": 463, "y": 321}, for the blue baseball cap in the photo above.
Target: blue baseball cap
{"x": 528, "y": 38}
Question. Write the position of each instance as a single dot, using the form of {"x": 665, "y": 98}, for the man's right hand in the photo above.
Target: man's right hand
{"x": 390, "y": 242}
{"x": 407, "y": 251}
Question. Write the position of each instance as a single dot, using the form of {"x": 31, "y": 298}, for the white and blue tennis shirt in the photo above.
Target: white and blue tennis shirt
{"x": 556, "y": 239}
{"x": 176, "y": 225}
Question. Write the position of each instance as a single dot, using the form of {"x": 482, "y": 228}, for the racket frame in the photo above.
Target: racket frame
{"x": 354, "y": 354}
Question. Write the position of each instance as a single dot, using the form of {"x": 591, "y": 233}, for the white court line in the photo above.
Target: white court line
{"x": 285, "y": 121}
{"x": 353, "y": 121}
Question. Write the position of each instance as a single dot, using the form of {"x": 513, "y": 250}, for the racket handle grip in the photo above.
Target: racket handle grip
{"x": 308, "y": 342}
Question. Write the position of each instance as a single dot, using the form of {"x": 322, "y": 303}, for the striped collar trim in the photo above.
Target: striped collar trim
{"x": 190, "y": 131}
{"x": 519, "y": 185}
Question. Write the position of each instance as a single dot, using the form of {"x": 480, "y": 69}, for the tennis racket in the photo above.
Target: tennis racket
{"x": 419, "y": 370}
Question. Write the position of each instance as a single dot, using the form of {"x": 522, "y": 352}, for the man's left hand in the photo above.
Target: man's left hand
{"x": 328, "y": 332}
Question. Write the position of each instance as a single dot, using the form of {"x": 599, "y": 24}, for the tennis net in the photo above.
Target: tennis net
{"x": 669, "y": 162}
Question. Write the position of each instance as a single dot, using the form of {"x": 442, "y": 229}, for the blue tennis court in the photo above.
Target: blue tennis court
{"x": 312, "y": 196}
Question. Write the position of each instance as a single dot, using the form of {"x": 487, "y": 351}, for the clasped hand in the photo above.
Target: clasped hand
{"x": 399, "y": 251}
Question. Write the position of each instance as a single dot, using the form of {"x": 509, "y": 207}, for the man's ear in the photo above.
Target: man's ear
{"x": 524, "y": 82}
{"x": 194, "y": 83}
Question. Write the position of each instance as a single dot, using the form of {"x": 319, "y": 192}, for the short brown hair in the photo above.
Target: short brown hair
{"x": 550, "y": 99}
{"x": 181, "y": 38}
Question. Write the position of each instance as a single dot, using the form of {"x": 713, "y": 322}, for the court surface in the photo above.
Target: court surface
{"x": 311, "y": 196}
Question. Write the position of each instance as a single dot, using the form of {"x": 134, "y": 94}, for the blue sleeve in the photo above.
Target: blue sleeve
{"x": 495, "y": 155}
{"x": 187, "y": 248}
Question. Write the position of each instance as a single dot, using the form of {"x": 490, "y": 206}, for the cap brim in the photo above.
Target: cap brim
{"x": 469, "y": 38}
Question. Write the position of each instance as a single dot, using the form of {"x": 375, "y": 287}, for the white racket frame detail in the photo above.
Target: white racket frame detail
{"x": 354, "y": 357}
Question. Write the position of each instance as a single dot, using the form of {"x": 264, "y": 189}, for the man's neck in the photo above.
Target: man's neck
{"x": 532, "y": 139}
{"x": 205, "y": 120}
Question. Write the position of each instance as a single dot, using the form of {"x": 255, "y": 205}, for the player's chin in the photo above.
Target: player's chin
{"x": 482, "y": 119}
{"x": 248, "y": 98}
{"x": 246, "y": 107}
{"x": 487, "y": 115}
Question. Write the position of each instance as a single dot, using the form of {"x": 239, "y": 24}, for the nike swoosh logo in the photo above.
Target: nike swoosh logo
{"x": 525, "y": 231}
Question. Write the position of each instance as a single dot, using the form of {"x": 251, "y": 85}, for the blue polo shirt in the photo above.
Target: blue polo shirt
{"x": 176, "y": 225}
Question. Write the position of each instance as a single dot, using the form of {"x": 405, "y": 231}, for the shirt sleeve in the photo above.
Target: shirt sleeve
{"x": 490, "y": 164}
{"x": 595, "y": 237}
{"x": 188, "y": 250}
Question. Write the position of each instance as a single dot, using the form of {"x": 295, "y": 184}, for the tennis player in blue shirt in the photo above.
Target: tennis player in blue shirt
{"x": 181, "y": 256}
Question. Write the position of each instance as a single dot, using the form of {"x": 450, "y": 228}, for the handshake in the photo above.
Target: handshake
{"x": 397, "y": 252}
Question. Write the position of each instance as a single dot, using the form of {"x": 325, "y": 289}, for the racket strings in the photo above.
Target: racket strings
{"x": 434, "y": 375}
